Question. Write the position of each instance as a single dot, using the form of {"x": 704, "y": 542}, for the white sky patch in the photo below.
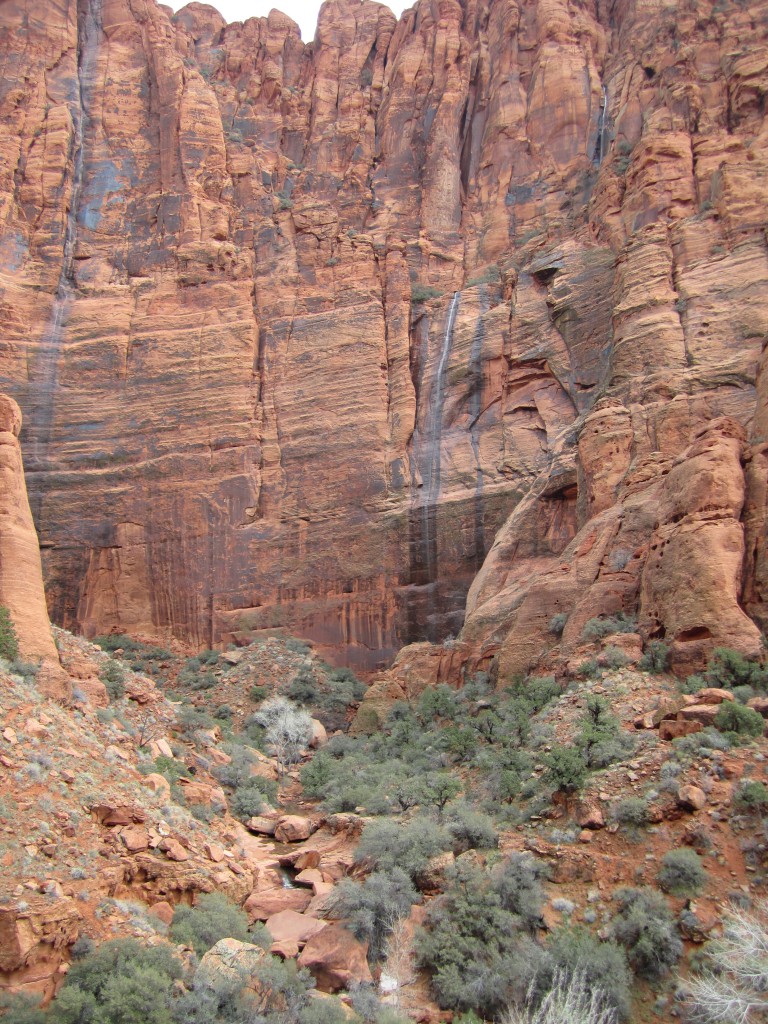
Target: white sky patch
{"x": 302, "y": 11}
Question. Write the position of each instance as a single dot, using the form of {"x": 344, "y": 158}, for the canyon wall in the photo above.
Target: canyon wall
{"x": 308, "y": 336}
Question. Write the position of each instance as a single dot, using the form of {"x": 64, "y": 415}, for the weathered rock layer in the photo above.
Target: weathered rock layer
{"x": 297, "y": 329}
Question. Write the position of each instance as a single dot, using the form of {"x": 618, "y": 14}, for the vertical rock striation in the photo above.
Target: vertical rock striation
{"x": 231, "y": 262}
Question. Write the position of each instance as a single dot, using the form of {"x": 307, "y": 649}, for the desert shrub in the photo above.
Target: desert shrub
{"x": 517, "y": 881}
{"x": 215, "y": 917}
{"x": 646, "y": 929}
{"x": 113, "y": 677}
{"x": 282, "y": 989}
{"x": 189, "y": 719}
{"x": 422, "y": 292}
{"x": 373, "y": 907}
{"x": 727, "y": 669}
{"x": 323, "y": 1011}
{"x": 596, "y": 629}
{"x": 478, "y": 956}
{"x": 21, "y": 1009}
{"x": 614, "y": 657}
{"x": 557, "y": 623}
{"x": 752, "y": 797}
{"x": 576, "y": 951}
{"x": 633, "y": 812}
{"x": 387, "y": 845}
{"x": 316, "y": 774}
{"x": 438, "y": 789}
{"x": 304, "y": 688}
{"x": 570, "y": 1000}
{"x": 700, "y": 744}
{"x": 731, "y": 988}
{"x": 128, "y": 982}
{"x": 739, "y": 723}
{"x": 257, "y": 693}
{"x": 681, "y": 872}
{"x": 743, "y": 694}
{"x": 170, "y": 768}
{"x": 9, "y": 641}
{"x": 655, "y": 658}
{"x": 470, "y": 829}
{"x": 600, "y": 736}
{"x": 588, "y": 669}
{"x": 566, "y": 768}
{"x": 436, "y": 702}
{"x": 249, "y": 800}
{"x": 536, "y": 692}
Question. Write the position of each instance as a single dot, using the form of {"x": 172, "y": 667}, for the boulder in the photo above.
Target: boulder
{"x": 336, "y": 959}
{"x": 262, "y": 825}
{"x": 163, "y": 911}
{"x": 292, "y": 828}
{"x": 671, "y": 730}
{"x": 691, "y": 798}
{"x": 319, "y": 736}
{"x": 290, "y": 925}
{"x": 704, "y": 713}
{"x": 158, "y": 784}
{"x": 265, "y": 903}
{"x": 589, "y": 814}
{"x": 173, "y": 849}
{"x": 713, "y": 695}
{"x": 135, "y": 838}
{"x": 228, "y": 961}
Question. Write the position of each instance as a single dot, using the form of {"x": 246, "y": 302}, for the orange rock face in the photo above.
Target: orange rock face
{"x": 21, "y": 578}
{"x": 299, "y": 330}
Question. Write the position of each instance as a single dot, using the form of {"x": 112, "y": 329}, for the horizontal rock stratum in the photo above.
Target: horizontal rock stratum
{"x": 298, "y": 329}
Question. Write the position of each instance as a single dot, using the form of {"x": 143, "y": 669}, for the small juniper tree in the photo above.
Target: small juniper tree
{"x": 9, "y": 641}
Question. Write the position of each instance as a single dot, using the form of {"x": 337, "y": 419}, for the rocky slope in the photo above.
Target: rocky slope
{"x": 297, "y": 328}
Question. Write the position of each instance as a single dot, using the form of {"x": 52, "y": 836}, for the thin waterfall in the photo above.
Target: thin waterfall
{"x": 432, "y": 480}
{"x": 45, "y": 375}
{"x": 601, "y": 128}
{"x": 475, "y": 409}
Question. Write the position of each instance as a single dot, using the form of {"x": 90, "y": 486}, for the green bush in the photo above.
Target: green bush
{"x": 21, "y": 1009}
{"x": 646, "y": 929}
{"x": 128, "y": 982}
{"x": 478, "y": 956}
{"x": 9, "y": 641}
{"x": 215, "y": 917}
{"x": 655, "y": 658}
{"x": 113, "y": 678}
{"x": 566, "y": 768}
{"x": 470, "y": 829}
{"x": 727, "y": 669}
{"x": 596, "y": 629}
{"x": 614, "y": 657}
{"x": 257, "y": 693}
{"x": 247, "y": 802}
{"x": 387, "y": 845}
{"x": 422, "y": 292}
{"x": 373, "y": 907}
{"x": 752, "y": 797}
{"x": 633, "y": 812}
{"x": 681, "y": 872}
{"x": 576, "y": 951}
{"x": 557, "y": 623}
{"x": 517, "y": 881}
{"x": 738, "y": 723}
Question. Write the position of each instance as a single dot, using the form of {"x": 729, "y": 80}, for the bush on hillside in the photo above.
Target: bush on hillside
{"x": 215, "y": 917}
{"x": 681, "y": 872}
{"x": 646, "y": 929}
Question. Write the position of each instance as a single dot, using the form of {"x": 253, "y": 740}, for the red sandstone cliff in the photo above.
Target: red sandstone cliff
{"x": 296, "y": 329}
{"x": 21, "y": 578}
